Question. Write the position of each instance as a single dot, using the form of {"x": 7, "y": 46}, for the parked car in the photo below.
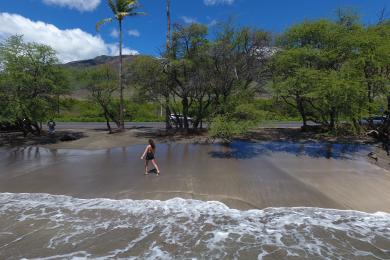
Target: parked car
{"x": 376, "y": 120}
{"x": 179, "y": 119}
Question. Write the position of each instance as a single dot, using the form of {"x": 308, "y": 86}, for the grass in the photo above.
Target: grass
{"x": 76, "y": 110}
{"x": 73, "y": 110}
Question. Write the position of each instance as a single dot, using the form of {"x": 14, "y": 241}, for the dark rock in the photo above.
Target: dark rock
{"x": 373, "y": 155}
{"x": 68, "y": 137}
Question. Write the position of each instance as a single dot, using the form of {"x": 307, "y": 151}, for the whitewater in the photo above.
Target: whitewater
{"x": 43, "y": 226}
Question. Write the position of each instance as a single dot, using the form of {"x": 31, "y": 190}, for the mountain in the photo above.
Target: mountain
{"x": 100, "y": 60}
{"x": 76, "y": 70}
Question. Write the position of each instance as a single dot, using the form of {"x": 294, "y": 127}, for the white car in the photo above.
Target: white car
{"x": 174, "y": 119}
{"x": 376, "y": 120}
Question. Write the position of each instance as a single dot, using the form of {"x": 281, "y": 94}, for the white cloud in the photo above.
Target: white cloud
{"x": 217, "y": 2}
{"x": 80, "y": 5}
{"x": 188, "y": 19}
{"x": 70, "y": 44}
{"x": 114, "y": 33}
{"x": 212, "y": 23}
{"x": 114, "y": 50}
{"x": 133, "y": 32}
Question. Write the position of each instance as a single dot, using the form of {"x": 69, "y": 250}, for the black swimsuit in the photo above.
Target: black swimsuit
{"x": 149, "y": 155}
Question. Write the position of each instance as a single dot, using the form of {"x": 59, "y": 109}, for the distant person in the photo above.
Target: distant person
{"x": 52, "y": 126}
{"x": 148, "y": 155}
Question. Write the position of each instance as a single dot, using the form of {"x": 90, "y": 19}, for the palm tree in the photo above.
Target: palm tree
{"x": 168, "y": 5}
{"x": 167, "y": 111}
{"x": 120, "y": 9}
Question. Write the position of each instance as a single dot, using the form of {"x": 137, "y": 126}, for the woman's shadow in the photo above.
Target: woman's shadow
{"x": 154, "y": 170}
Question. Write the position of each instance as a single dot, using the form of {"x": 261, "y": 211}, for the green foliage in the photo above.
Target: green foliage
{"x": 332, "y": 71}
{"x": 148, "y": 77}
{"x": 223, "y": 127}
{"x": 79, "y": 111}
{"x": 31, "y": 81}
{"x": 101, "y": 84}
{"x": 276, "y": 110}
{"x": 89, "y": 111}
{"x": 243, "y": 118}
{"x": 206, "y": 79}
{"x": 120, "y": 10}
{"x": 144, "y": 112}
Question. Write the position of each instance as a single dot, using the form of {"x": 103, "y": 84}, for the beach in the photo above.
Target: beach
{"x": 244, "y": 175}
{"x": 274, "y": 197}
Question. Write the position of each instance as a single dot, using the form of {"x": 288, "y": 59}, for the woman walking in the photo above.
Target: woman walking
{"x": 148, "y": 155}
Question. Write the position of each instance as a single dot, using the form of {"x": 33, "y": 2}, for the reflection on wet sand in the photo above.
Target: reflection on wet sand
{"x": 242, "y": 175}
{"x": 248, "y": 150}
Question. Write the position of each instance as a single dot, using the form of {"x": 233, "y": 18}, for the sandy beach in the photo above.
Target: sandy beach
{"x": 283, "y": 193}
{"x": 244, "y": 176}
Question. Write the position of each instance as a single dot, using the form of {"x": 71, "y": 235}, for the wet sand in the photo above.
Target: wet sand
{"x": 244, "y": 176}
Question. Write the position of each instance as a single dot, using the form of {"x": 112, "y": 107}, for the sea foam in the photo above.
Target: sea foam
{"x": 43, "y": 226}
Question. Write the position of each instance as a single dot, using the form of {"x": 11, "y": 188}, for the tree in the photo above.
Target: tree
{"x": 313, "y": 72}
{"x": 206, "y": 77}
{"x": 293, "y": 82}
{"x": 189, "y": 53}
{"x": 238, "y": 59}
{"x": 120, "y": 9}
{"x": 371, "y": 59}
{"x": 168, "y": 11}
{"x": 148, "y": 77}
{"x": 101, "y": 83}
{"x": 31, "y": 80}
{"x": 168, "y": 57}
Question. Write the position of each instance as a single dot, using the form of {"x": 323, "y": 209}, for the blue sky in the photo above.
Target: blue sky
{"x": 69, "y": 25}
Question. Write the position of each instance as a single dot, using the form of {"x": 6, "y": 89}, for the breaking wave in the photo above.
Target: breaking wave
{"x": 61, "y": 227}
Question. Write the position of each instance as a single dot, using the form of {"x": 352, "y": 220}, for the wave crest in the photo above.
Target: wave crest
{"x": 56, "y": 226}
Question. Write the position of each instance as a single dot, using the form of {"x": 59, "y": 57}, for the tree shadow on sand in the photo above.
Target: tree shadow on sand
{"x": 328, "y": 150}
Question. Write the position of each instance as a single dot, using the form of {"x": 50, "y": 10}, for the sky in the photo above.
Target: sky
{"x": 69, "y": 25}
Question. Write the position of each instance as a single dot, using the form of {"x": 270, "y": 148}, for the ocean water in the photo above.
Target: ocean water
{"x": 43, "y": 226}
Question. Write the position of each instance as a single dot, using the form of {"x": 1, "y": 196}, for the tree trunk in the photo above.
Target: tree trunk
{"x": 332, "y": 115}
{"x": 35, "y": 129}
{"x": 370, "y": 101}
{"x": 22, "y": 126}
{"x": 388, "y": 104}
{"x": 108, "y": 123}
{"x": 168, "y": 27}
{"x": 121, "y": 119}
{"x": 167, "y": 114}
{"x": 167, "y": 110}
{"x": 302, "y": 111}
{"x": 199, "y": 115}
{"x": 58, "y": 105}
{"x": 185, "y": 113}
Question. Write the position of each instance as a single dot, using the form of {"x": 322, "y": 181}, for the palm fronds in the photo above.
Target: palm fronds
{"x": 101, "y": 22}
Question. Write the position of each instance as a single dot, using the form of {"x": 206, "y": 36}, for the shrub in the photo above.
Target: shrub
{"x": 224, "y": 128}
{"x": 238, "y": 122}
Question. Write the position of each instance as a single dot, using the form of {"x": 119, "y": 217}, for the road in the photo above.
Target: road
{"x": 102, "y": 125}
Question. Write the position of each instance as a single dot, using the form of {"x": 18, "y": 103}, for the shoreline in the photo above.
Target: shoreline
{"x": 98, "y": 139}
{"x": 105, "y": 165}
{"x": 90, "y": 139}
{"x": 228, "y": 207}
{"x": 260, "y": 177}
